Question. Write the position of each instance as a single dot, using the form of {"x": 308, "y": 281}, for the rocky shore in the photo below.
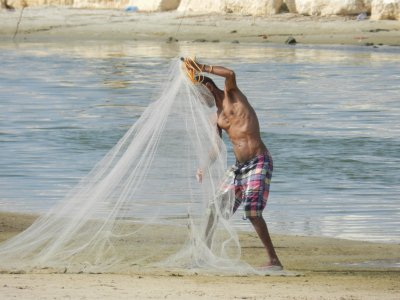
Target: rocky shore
{"x": 376, "y": 9}
{"x": 59, "y": 23}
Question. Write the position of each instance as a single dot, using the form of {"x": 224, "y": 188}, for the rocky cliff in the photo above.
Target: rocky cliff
{"x": 378, "y": 9}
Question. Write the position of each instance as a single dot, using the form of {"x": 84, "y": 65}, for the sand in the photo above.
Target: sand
{"x": 324, "y": 268}
{"x": 54, "y": 24}
{"x": 321, "y": 268}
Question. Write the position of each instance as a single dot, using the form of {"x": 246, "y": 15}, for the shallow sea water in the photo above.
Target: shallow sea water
{"x": 329, "y": 115}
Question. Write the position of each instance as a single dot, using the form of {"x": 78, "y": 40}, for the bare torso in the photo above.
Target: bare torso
{"x": 240, "y": 122}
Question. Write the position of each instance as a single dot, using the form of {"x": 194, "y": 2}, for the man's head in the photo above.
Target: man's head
{"x": 207, "y": 82}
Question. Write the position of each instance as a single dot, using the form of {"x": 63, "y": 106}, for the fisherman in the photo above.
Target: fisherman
{"x": 253, "y": 168}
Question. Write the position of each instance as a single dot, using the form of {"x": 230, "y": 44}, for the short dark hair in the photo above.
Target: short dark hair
{"x": 204, "y": 80}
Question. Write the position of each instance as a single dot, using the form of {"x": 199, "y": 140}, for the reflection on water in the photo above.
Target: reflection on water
{"x": 218, "y": 51}
{"x": 329, "y": 116}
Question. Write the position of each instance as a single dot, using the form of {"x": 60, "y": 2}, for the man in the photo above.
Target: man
{"x": 253, "y": 169}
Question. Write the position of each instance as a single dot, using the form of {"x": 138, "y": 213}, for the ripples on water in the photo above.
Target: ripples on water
{"x": 329, "y": 116}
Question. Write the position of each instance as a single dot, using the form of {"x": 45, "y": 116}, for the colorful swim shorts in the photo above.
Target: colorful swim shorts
{"x": 251, "y": 181}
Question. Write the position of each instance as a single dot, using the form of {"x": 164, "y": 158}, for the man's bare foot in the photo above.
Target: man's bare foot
{"x": 270, "y": 267}
{"x": 274, "y": 265}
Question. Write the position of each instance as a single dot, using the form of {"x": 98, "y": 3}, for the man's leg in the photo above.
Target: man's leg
{"x": 261, "y": 228}
{"x": 211, "y": 226}
{"x": 220, "y": 206}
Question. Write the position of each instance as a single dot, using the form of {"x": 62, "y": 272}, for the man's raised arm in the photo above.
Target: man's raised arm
{"x": 230, "y": 77}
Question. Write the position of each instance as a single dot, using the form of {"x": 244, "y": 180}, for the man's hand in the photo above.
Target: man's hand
{"x": 199, "y": 175}
{"x": 193, "y": 65}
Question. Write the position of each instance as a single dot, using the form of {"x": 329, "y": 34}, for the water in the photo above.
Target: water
{"x": 330, "y": 117}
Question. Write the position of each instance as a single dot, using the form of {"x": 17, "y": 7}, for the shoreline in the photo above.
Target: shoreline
{"x": 361, "y": 256}
{"x": 323, "y": 268}
{"x": 63, "y": 24}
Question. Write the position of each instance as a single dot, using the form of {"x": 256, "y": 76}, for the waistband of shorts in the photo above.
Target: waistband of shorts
{"x": 253, "y": 160}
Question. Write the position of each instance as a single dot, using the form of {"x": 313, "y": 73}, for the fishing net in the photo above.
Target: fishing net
{"x": 141, "y": 205}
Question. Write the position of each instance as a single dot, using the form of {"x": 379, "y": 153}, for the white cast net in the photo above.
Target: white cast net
{"x": 141, "y": 205}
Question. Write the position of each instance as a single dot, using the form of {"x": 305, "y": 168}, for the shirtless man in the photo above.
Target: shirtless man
{"x": 253, "y": 169}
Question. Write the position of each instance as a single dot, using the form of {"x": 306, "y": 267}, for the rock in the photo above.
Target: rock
{"x": 11, "y": 4}
{"x": 98, "y": 4}
{"x": 155, "y": 5}
{"x": 171, "y": 39}
{"x": 18, "y": 272}
{"x": 367, "y": 4}
{"x": 142, "y": 5}
{"x": 378, "y": 9}
{"x": 200, "y": 41}
{"x": 6, "y": 5}
{"x": 244, "y": 7}
{"x": 385, "y": 10}
{"x": 202, "y": 6}
{"x": 378, "y": 30}
{"x": 291, "y": 5}
{"x": 291, "y": 41}
{"x": 255, "y": 7}
{"x": 327, "y": 7}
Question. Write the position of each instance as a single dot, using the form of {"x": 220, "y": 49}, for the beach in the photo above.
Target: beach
{"x": 318, "y": 268}
{"x": 54, "y": 24}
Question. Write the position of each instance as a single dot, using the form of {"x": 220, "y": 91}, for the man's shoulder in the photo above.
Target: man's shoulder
{"x": 235, "y": 95}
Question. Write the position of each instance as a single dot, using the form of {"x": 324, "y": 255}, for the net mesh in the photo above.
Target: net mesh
{"x": 141, "y": 205}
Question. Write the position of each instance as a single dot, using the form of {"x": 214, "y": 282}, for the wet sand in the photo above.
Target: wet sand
{"x": 322, "y": 268}
{"x": 54, "y": 24}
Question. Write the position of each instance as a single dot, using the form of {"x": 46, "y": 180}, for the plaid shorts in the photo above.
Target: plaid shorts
{"x": 251, "y": 181}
